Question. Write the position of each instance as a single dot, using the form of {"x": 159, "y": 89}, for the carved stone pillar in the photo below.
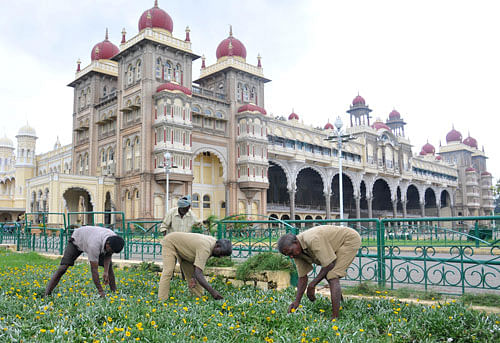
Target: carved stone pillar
{"x": 452, "y": 208}
{"x": 357, "y": 201}
{"x": 292, "y": 204}
{"x": 328, "y": 209}
{"x": 394, "y": 208}
{"x": 438, "y": 210}
{"x": 370, "y": 212}
{"x": 422, "y": 208}
{"x": 405, "y": 214}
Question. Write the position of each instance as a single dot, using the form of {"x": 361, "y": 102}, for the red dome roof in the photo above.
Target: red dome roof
{"x": 328, "y": 126}
{"x": 394, "y": 115}
{"x": 251, "y": 108}
{"x": 453, "y": 136}
{"x": 422, "y": 152}
{"x": 358, "y": 100}
{"x": 156, "y": 17}
{"x": 485, "y": 173}
{"x": 380, "y": 125}
{"x": 104, "y": 50}
{"x": 293, "y": 115}
{"x": 470, "y": 142}
{"x": 231, "y": 47}
{"x": 470, "y": 169}
{"x": 439, "y": 158}
{"x": 428, "y": 148}
{"x": 169, "y": 86}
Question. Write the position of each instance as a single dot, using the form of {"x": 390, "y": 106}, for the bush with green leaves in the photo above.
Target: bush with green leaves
{"x": 263, "y": 261}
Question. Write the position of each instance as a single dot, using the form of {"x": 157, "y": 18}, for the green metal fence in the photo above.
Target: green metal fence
{"x": 450, "y": 255}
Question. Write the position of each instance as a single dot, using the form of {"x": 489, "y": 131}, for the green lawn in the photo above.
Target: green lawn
{"x": 75, "y": 314}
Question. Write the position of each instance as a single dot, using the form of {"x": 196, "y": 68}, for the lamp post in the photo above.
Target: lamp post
{"x": 167, "y": 165}
{"x": 340, "y": 138}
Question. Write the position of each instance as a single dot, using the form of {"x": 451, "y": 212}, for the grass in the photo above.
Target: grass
{"x": 263, "y": 261}
{"x": 75, "y": 314}
{"x": 481, "y": 299}
{"x": 220, "y": 262}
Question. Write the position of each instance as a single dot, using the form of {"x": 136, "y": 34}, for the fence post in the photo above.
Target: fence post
{"x": 61, "y": 241}
{"x": 18, "y": 234}
{"x": 476, "y": 233}
{"x": 219, "y": 230}
{"x": 380, "y": 252}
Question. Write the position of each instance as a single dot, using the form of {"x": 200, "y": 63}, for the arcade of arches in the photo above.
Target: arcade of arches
{"x": 305, "y": 192}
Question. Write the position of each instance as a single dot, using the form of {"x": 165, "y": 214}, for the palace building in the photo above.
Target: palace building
{"x": 139, "y": 99}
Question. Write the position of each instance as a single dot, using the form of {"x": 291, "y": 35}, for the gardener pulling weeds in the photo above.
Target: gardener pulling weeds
{"x": 332, "y": 247}
{"x": 192, "y": 250}
{"x": 99, "y": 244}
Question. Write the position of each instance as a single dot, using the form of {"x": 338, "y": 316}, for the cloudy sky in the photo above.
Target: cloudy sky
{"x": 436, "y": 61}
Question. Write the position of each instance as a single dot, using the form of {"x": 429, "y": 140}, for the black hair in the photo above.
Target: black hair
{"x": 116, "y": 243}
{"x": 286, "y": 241}
{"x": 226, "y": 248}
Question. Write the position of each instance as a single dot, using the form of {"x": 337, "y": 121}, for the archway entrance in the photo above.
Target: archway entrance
{"x": 277, "y": 193}
{"x": 78, "y": 200}
{"x": 382, "y": 205}
{"x": 347, "y": 195}
{"x": 209, "y": 192}
{"x": 309, "y": 193}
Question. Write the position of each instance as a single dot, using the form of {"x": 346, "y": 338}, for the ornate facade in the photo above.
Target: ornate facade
{"x": 136, "y": 101}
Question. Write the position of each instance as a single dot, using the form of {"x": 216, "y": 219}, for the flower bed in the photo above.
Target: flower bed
{"x": 75, "y": 314}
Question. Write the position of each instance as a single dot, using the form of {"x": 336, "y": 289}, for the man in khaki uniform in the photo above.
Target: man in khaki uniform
{"x": 331, "y": 247}
{"x": 180, "y": 218}
{"x": 192, "y": 250}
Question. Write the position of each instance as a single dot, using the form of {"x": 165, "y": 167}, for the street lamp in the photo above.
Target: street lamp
{"x": 340, "y": 138}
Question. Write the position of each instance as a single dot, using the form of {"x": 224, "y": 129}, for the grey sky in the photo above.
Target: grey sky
{"x": 436, "y": 62}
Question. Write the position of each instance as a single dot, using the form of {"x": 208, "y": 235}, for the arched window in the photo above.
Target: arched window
{"x": 167, "y": 71}
{"x": 158, "y": 69}
{"x": 246, "y": 94}
{"x": 252, "y": 95}
{"x": 104, "y": 91}
{"x": 137, "y": 154}
{"x": 88, "y": 96}
{"x": 196, "y": 200}
{"x": 239, "y": 95}
{"x": 138, "y": 70}
{"x": 130, "y": 74}
{"x": 86, "y": 161}
{"x": 82, "y": 99}
{"x": 178, "y": 73}
{"x": 206, "y": 201}
{"x": 111, "y": 155}
{"x": 196, "y": 109}
{"x": 128, "y": 155}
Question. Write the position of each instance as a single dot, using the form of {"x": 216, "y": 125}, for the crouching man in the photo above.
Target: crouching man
{"x": 331, "y": 247}
{"x": 99, "y": 244}
{"x": 192, "y": 250}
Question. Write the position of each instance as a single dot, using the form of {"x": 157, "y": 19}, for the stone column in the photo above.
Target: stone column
{"x": 405, "y": 214}
{"x": 394, "y": 208}
{"x": 328, "y": 208}
{"x": 422, "y": 208}
{"x": 438, "y": 210}
{"x": 452, "y": 208}
{"x": 370, "y": 212}
{"x": 292, "y": 204}
{"x": 357, "y": 200}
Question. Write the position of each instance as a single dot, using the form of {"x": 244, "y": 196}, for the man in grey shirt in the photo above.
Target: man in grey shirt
{"x": 99, "y": 244}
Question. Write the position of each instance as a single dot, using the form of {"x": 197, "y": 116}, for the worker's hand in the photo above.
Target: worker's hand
{"x": 293, "y": 306}
{"x": 105, "y": 278}
{"x": 311, "y": 290}
{"x": 217, "y": 296}
{"x": 192, "y": 283}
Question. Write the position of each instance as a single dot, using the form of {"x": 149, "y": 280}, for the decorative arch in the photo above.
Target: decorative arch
{"x": 217, "y": 153}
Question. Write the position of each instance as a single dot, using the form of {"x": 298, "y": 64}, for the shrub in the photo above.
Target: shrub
{"x": 263, "y": 261}
{"x": 220, "y": 262}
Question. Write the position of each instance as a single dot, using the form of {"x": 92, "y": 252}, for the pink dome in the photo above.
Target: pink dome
{"x": 156, "y": 17}
{"x": 358, "y": 100}
{"x": 439, "y": 158}
{"x": 423, "y": 153}
{"x": 485, "y": 173}
{"x": 172, "y": 87}
{"x": 453, "y": 136}
{"x": 328, "y": 126}
{"x": 231, "y": 47}
{"x": 251, "y": 108}
{"x": 428, "y": 148}
{"x": 104, "y": 50}
{"x": 470, "y": 169}
{"x": 293, "y": 115}
{"x": 470, "y": 142}
{"x": 394, "y": 115}
{"x": 380, "y": 125}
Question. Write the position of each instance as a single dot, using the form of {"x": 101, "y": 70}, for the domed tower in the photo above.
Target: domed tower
{"x": 26, "y": 144}
{"x": 6, "y": 154}
{"x": 396, "y": 123}
{"x": 360, "y": 111}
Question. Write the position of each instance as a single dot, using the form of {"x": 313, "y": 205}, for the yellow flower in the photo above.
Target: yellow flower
{"x": 389, "y": 334}
{"x": 219, "y": 324}
{"x": 127, "y": 333}
{"x": 153, "y": 323}
{"x": 361, "y": 330}
{"x": 335, "y": 327}
{"x": 43, "y": 330}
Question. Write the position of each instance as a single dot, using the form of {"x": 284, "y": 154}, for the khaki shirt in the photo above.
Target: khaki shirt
{"x": 174, "y": 223}
{"x": 320, "y": 245}
{"x": 194, "y": 248}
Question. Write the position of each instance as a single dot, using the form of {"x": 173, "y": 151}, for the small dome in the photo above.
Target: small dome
{"x": 293, "y": 115}
{"x": 6, "y": 142}
{"x": 453, "y": 136}
{"x": 251, "y": 108}
{"x": 104, "y": 50}
{"x": 328, "y": 126}
{"x": 485, "y": 173}
{"x": 358, "y": 100}
{"x": 26, "y": 130}
{"x": 428, "y": 148}
{"x": 170, "y": 86}
{"x": 470, "y": 169}
{"x": 380, "y": 125}
{"x": 394, "y": 115}
{"x": 231, "y": 47}
{"x": 470, "y": 142}
{"x": 439, "y": 158}
{"x": 422, "y": 152}
{"x": 155, "y": 17}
